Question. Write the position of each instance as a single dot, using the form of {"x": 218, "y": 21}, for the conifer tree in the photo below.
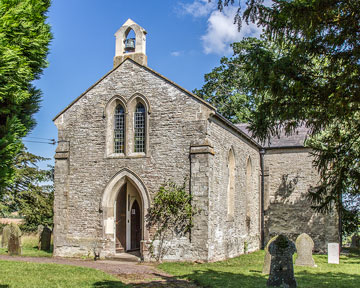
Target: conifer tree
{"x": 24, "y": 41}
{"x": 304, "y": 71}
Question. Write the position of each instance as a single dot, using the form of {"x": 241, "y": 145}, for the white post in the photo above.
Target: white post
{"x": 333, "y": 253}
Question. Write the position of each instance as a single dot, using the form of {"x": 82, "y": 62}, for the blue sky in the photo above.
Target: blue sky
{"x": 185, "y": 40}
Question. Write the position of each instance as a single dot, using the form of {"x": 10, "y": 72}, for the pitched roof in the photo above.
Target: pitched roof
{"x": 296, "y": 139}
{"x": 146, "y": 68}
{"x": 222, "y": 118}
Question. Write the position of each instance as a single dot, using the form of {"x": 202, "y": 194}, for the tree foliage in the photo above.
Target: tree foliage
{"x": 24, "y": 40}
{"x": 30, "y": 193}
{"x": 170, "y": 215}
{"x": 305, "y": 71}
{"x": 224, "y": 91}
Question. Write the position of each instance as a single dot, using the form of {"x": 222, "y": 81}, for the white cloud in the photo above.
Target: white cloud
{"x": 176, "y": 53}
{"x": 198, "y": 8}
{"x": 222, "y": 31}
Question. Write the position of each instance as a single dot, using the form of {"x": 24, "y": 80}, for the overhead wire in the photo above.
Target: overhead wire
{"x": 31, "y": 137}
{"x": 52, "y": 142}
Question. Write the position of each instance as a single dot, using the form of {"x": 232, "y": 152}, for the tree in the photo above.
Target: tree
{"x": 335, "y": 145}
{"x": 30, "y": 193}
{"x": 224, "y": 90}
{"x": 170, "y": 215}
{"x": 24, "y": 40}
{"x": 305, "y": 70}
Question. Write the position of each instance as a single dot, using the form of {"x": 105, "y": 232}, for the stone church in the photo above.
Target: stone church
{"x": 134, "y": 130}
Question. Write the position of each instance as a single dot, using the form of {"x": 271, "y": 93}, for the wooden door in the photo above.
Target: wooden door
{"x": 135, "y": 226}
{"x": 121, "y": 220}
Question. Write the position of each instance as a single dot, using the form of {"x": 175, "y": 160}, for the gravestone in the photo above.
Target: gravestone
{"x": 304, "y": 247}
{"x": 44, "y": 234}
{"x": 333, "y": 253}
{"x": 267, "y": 258}
{"x": 14, "y": 245}
{"x": 39, "y": 230}
{"x": 355, "y": 241}
{"x": 5, "y": 236}
{"x": 282, "y": 269}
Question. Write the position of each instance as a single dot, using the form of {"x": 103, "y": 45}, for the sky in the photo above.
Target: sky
{"x": 186, "y": 39}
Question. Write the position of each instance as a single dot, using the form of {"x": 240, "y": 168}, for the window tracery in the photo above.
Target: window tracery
{"x": 119, "y": 129}
{"x": 139, "y": 128}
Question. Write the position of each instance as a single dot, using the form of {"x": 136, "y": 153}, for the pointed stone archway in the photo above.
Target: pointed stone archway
{"x": 124, "y": 204}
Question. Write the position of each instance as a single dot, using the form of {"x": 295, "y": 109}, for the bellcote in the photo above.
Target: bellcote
{"x": 126, "y": 47}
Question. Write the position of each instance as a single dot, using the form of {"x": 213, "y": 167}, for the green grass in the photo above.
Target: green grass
{"x": 29, "y": 247}
{"x": 245, "y": 271}
{"x": 29, "y": 275}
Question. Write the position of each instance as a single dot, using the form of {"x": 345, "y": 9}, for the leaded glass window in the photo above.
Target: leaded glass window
{"x": 119, "y": 129}
{"x": 139, "y": 125}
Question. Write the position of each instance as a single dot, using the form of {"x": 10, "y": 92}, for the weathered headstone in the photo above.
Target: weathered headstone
{"x": 5, "y": 236}
{"x": 39, "y": 230}
{"x": 355, "y": 241}
{"x": 14, "y": 245}
{"x": 267, "y": 258}
{"x": 304, "y": 247}
{"x": 282, "y": 269}
{"x": 333, "y": 253}
{"x": 44, "y": 233}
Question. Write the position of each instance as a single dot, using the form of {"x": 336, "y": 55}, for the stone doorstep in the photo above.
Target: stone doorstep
{"x": 124, "y": 257}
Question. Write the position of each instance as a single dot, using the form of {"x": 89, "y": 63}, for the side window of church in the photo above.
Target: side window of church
{"x": 119, "y": 129}
{"x": 139, "y": 125}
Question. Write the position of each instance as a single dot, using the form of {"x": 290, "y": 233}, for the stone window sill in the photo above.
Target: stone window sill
{"x": 137, "y": 155}
{"x": 124, "y": 156}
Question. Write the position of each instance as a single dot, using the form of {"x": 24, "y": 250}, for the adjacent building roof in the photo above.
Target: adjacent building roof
{"x": 297, "y": 139}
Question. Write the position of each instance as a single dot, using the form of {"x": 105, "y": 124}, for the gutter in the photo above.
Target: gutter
{"x": 285, "y": 147}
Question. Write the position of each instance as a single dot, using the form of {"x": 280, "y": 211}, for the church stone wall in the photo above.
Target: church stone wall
{"x": 288, "y": 176}
{"x": 83, "y": 170}
{"x": 185, "y": 141}
{"x": 229, "y": 237}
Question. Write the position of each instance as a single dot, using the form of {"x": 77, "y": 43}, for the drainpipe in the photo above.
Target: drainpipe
{"x": 262, "y": 234}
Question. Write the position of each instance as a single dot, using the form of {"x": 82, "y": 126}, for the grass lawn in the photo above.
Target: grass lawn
{"x": 29, "y": 247}
{"x": 34, "y": 275}
{"x": 245, "y": 271}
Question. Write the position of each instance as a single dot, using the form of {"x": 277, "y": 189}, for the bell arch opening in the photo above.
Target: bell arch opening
{"x": 130, "y": 41}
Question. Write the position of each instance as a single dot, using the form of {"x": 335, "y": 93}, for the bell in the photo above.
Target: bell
{"x": 130, "y": 45}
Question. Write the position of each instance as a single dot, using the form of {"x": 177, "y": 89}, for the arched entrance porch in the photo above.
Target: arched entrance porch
{"x": 124, "y": 204}
{"x": 128, "y": 219}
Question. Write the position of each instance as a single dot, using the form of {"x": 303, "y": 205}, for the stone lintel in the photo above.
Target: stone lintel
{"x": 62, "y": 150}
{"x": 201, "y": 149}
{"x": 62, "y": 155}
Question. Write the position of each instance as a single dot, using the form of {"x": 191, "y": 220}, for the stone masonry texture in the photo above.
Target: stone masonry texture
{"x": 186, "y": 142}
{"x": 287, "y": 210}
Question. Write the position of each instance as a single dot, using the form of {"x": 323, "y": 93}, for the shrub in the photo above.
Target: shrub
{"x": 171, "y": 215}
